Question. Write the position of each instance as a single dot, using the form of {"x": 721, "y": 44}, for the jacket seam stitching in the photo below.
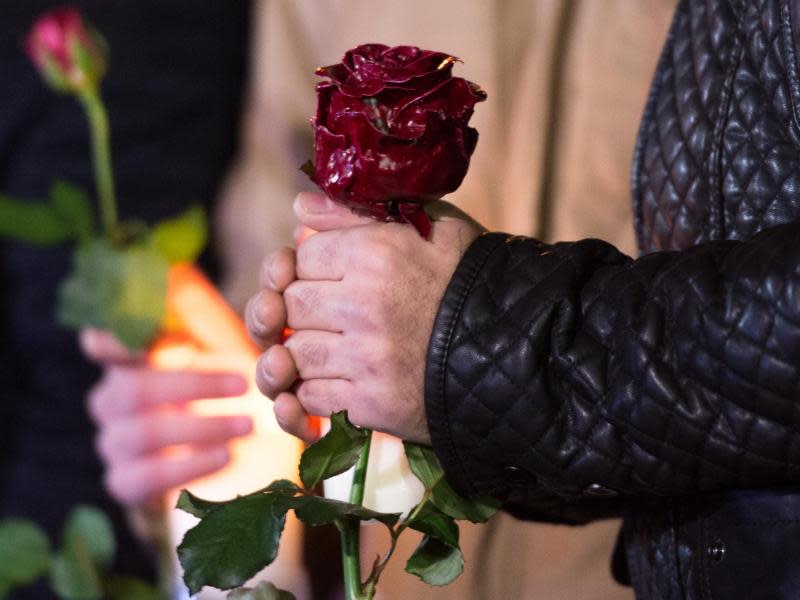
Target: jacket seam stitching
{"x": 469, "y": 283}
{"x": 717, "y": 212}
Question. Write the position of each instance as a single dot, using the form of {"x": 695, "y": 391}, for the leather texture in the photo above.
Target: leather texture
{"x": 579, "y": 383}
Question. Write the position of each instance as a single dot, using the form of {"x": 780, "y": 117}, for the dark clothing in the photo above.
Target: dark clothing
{"x": 579, "y": 383}
{"x": 174, "y": 93}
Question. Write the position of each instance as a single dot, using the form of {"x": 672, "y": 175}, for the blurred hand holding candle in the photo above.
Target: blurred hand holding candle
{"x": 207, "y": 335}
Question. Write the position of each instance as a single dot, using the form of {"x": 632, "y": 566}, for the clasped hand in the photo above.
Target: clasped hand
{"x": 361, "y": 297}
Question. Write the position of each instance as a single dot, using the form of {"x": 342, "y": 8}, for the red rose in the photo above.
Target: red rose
{"x": 391, "y": 131}
{"x": 70, "y": 54}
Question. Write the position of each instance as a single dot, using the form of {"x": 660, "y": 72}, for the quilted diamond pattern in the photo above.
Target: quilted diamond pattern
{"x": 578, "y": 382}
{"x": 674, "y": 373}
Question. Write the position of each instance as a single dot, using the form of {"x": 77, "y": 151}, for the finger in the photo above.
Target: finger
{"x": 278, "y": 270}
{"x": 320, "y": 213}
{"x": 323, "y": 256}
{"x": 319, "y": 354}
{"x": 129, "y": 390}
{"x": 101, "y": 346}
{"x": 131, "y": 438}
{"x": 323, "y": 397}
{"x": 317, "y": 305}
{"x": 140, "y": 481}
{"x": 265, "y": 317}
{"x": 275, "y": 371}
{"x": 293, "y": 419}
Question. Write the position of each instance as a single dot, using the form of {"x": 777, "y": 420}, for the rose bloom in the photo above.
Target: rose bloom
{"x": 391, "y": 131}
{"x": 69, "y": 53}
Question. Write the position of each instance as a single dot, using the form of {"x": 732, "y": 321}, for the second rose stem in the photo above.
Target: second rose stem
{"x": 101, "y": 158}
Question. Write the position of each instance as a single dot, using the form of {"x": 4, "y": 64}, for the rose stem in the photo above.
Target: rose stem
{"x": 101, "y": 158}
{"x": 351, "y": 530}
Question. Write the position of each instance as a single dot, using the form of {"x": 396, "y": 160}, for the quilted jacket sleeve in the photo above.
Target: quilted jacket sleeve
{"x": 570, "y": 378}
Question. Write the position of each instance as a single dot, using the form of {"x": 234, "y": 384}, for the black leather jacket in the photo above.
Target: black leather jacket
{"x": 579, "y": 383}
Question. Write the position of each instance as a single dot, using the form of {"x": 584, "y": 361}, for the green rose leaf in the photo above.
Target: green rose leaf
{"x": 123, "y": 290}
{"x": 263, "y": 591}
{"x": 424, "y": 464}
{"x": 140, "y": 299}
{"x": 130, "y": 588}
{"x": 336, "y": 452}
{"x": 66, "y": 217}
{"x": 435, "y": 562}
{"x": 316, "y": 510}
{"x": 71, "y": 205}
{"x": 182, "y": 238}
{"x": 433, "y": 522}
{"x": 308, "y": 168}
{"x": 90, "y": 529}
{"x": 476, "y": 510}
{"x": 282, "y": 485}
{"x": 24, "y": 553}
{"x": 188, "y": 502}
{"x": 89, "y": 289}
{"x": 73, "y": 575}
{"x": 233, "y": 542}
{"x": 426, "y": 467}
{"x": 88, "y": 547}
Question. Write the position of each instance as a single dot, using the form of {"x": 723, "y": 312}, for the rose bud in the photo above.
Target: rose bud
{"x": 69, "y": 53}
{"x": 391, "y": 131}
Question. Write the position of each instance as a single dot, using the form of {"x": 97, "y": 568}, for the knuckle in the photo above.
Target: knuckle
{"x": 284, "y": 416}
{"x": 264, "y": 314}
{"x": 264, "y": 269}
{"x": 122, "y": 485}
{"x": 293, "y": 299}
{"x": 117, "y": 441}
{"x": 264, "y": 378}
{"x": 382, "y": 255}
{"x": 133, "y": 391}
{"x": 95, "y": 403}
{"x": 301, "y": 301}
{"x": 308, "y": 354}
{"x": 253, "y": 325}
{"x": 319, "y": 398}
{"x": 104, "y": 446}
{"x": 309, "y": 399}
{"x": 305, "y": 254}
{"x": 282, "y": 270}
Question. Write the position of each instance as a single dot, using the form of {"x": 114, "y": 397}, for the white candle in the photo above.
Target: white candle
{"x": 390, "y": 486}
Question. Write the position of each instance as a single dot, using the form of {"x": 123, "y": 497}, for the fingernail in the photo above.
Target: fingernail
{"x": 266, "y": 368}
{"x": 314, "y": 203}
{"x": 241, "y": 425}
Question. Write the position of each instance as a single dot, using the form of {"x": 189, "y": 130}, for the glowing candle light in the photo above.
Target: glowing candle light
{"x": 210, "y": 336}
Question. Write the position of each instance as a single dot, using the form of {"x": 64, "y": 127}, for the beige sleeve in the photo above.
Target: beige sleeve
{"x": 254, "y": 214}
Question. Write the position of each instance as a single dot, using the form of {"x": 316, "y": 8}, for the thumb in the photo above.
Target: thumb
{"x": 320, "y": 213}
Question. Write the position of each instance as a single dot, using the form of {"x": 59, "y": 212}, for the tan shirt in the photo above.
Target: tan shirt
{"x": 606, "y": 51}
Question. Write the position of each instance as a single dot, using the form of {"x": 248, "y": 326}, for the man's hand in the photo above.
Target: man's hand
{"x": 140, "y": 417}
{"x": 363, "y": 309}
{"x": 265, "y": 317}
